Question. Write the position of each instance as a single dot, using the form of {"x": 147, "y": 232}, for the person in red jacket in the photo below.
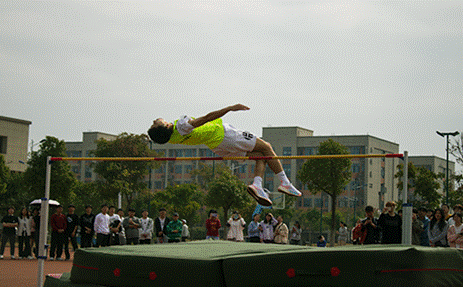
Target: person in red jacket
{"x": 58, "y": 225}
{"x": 213, "y": 225}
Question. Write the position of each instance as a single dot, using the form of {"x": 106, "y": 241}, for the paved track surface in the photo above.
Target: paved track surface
{"x": 23, "y": 273}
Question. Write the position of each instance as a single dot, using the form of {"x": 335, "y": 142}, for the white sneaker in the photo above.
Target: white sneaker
{"x": 289, "y": 189}
{"x": 20, "y": 258}
{"x": 12, "y": 257}
{"x": 51, "y": 258}
{"x": 259, "y": 194}
{"x": 30, "y": 257}
{"x": 60, "y": 259}
{"x": 1, "y": 256}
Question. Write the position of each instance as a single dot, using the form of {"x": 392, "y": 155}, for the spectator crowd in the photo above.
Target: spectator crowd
{"x": 429, "y": 227}
{"x": 111, "y": 227}
{"x": 108, "y": 227}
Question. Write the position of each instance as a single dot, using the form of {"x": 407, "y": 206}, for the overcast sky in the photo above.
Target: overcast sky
{"x": 391, "y": 69}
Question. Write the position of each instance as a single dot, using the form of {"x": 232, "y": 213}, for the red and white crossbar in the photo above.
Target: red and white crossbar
{"x": 224, "y": 158}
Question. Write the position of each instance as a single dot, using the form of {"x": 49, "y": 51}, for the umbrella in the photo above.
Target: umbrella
{"x": 39, "y": 202}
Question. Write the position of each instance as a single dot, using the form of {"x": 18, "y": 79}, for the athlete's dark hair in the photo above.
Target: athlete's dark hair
{"x": 160, "y": 134}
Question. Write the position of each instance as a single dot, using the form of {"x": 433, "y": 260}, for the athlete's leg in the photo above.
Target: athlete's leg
{"x": 263, "y": 148}
{"x": 255, "y": 189}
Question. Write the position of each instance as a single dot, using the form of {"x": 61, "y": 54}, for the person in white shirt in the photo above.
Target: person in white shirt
{"x": 146, "y": 228}
{"x": 24, "y": 233}
{"x": 101, "y": 227}
{"x": 185, "y": 231}
{"x": 236, "y": 224}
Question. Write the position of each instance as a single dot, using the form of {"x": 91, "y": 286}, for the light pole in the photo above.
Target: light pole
{"x": 447, "y": 167}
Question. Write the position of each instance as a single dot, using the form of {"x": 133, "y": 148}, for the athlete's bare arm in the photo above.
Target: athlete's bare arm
{"x": 216, "y": 114}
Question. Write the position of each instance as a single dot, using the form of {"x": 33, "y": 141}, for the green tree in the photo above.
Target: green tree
{"x": 207, "y": 172}
{"x": 62, "y": 179}
{"x": 186, "y": 199}
{"x": 456, "y": 149}
{"x": 4, "y": 175}
{"x": 126, "y": 177}
{"x": 87, "y": 193}
{"x": 412, "y": 170}
{"x": 456, "y": 195}
{"x": 329, "y": 175}
{"x": 424, "y": 184}
{"x": 226, "y": 191}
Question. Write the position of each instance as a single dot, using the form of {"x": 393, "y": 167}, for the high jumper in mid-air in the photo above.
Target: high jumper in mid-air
{"x": 226, "y": 141}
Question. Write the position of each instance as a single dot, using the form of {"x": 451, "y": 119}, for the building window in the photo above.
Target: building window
{"x": 178, "y": 169}
{"x": 3, "y": 141}
{"x": 287, "y": 150}
{"x": 88, "y": 172}
{"x": 74, "y": 153}
{"x": 188, "y": 168}
{"x": 356, "y": 150}
{"x": 356, "y": 168}
{"x": 160, "y": 169}
{"x": 307, "y": 202}
{"x": 305, "y": 151}
{"x": 317, "y": 202}
{"x": 287, "y": 169}
{"x": 206, "y": 153}
{"x": 190, "y": 153}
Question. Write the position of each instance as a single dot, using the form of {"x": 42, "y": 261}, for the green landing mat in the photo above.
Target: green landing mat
{"x": 232, "y": 264}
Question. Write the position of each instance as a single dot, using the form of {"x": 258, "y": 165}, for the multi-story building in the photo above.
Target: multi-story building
{"x": 82, "y": 169}
{"x": 14, "y": 138}
{"x": 373, "y": 181}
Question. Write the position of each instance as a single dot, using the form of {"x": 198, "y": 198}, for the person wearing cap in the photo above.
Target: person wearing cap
{"x": 160, "y": 224}
{"x": 58, "y": 226}
{"x": 146, "y": 228}
{"x": 86, "y": 227}
{"x": 101, "y": 226}
{"x": 185, "y": 230}
{"x": 131, "y": 225}
{"x": 9, "y": 222}
{"x": 71, "y": 230}
{"x": 174, "y": 229}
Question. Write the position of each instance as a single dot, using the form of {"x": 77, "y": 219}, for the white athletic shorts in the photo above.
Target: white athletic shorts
{"x": 235, "y": 142}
